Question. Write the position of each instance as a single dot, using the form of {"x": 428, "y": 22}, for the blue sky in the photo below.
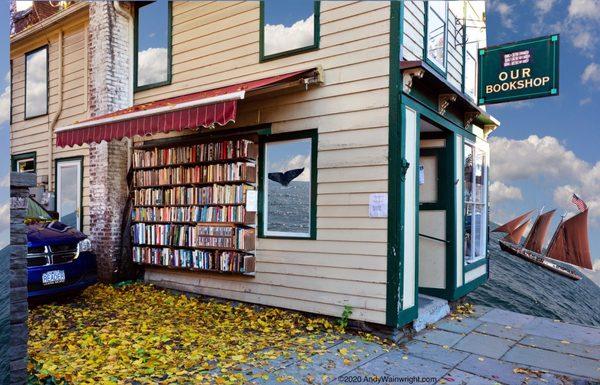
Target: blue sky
{"x": 544, "y": 149}
{"x": 547, "y": 148}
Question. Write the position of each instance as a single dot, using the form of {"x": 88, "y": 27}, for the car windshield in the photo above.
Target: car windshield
{"x": 35, "y": 210}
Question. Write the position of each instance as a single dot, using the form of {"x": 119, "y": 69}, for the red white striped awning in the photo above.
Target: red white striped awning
{"x": 200, "y": 109}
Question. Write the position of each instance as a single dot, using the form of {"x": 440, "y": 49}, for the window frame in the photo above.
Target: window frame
{"x": 81, "y": 172}
{"x": 27, "y": 54}
{"x": 137, "y": 6}
{"x": 442, "y": 70}
{"x": 15, "y": 159}
{"x": 278, "y": 55}
{"x": 307, "y": 134}
{"x": 484, "y": 224}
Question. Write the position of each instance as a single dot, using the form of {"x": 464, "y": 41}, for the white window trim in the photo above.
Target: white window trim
{"x": 485, "y": 203}
{"x": 59, "y": 166}
{"x": 441, "y": 66}
{"x": 24, "y": 160}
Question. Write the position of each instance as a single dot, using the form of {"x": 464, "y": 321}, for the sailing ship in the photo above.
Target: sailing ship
{"x": 569, "y": 244}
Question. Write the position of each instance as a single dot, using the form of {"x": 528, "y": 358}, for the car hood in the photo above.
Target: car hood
{"x": 52, "y": 233}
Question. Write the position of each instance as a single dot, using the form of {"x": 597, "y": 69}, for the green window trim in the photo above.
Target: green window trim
{"x": 167, "y": 82}
{"x": 70, "y": 159}
{"x": 441, "y": 70}
{"x": 307, "y": 134}
{"x": 47, "y": 48}
{"x": 14, "y": 159}
{"x": 278, "y": 55}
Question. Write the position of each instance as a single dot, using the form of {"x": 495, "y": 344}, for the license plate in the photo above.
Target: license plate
{"x": 52, "y": 277}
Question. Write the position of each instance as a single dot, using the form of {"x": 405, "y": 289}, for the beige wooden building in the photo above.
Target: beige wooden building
{"x": 371, "y": 103}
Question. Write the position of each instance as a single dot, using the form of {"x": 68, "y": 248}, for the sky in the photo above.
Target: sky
{"x": 545, "y": 149}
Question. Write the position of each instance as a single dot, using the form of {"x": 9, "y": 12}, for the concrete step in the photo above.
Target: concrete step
{"x": 431, "y": 310}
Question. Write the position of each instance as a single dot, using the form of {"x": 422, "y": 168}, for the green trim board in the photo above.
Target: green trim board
{"x": 521, "y": 70}
{"x": 395, "y": 258}
{"x": 27, "y": 155}
{"x": 311, "y": 47}
{"x": 137, "y": 7}
{"x": 47, "y": 48}
{"x": 473, "y": 265}
{"x": 269, "y": 138}
{"x": 68, "y": 159}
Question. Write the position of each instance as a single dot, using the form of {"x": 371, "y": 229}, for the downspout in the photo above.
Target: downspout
{"x": 120, "y": 11}
{"x": 58, "y": 111}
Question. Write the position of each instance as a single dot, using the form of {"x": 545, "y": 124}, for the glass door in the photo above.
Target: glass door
{"x": 68, "y": 191}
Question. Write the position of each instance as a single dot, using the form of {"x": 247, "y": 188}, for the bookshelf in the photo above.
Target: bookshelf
{"x": 189, "y": 205}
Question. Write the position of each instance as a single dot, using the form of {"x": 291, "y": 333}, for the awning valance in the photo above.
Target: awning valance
{"x": 200, "y": 109}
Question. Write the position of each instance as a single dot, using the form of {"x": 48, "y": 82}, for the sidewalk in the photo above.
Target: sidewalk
{"x": 491, "y": 346}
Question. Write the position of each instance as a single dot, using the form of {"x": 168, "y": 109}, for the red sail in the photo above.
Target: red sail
{"x": 510, "y": 226}
{"x": 535, "y": 239}
{"x": 516, "y": 235}
{"x": 570, "y": 243}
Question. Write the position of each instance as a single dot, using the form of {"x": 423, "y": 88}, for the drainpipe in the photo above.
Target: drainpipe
{"x": 58, "y": 111}
{"x": 120, "y": 11}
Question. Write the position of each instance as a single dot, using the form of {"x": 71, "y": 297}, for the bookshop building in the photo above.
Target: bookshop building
{"x": 348, "y": 168}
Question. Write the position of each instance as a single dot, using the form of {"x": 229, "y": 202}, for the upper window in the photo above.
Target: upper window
{"x": 475, "y": 188}
{"x": 24, "y": 162}
{"x": 437, "y": 32}
{"x": 289, "y": 186}
{"x": 153, "y": 44}
{"x": 36, "y": 83}
{"x": 288, "y": 27}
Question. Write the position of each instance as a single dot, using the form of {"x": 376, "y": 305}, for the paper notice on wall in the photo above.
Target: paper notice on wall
{"x": 378, "y": 205}
{"x": 251, "y": 201}
{"x": 421, "y": 174}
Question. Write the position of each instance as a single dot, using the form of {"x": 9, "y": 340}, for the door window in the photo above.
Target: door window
{"x": 475, "y": 188}
{"x": 68, "y": 192}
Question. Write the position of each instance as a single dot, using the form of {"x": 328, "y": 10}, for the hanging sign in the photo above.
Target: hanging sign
{"x": 523, "y": 70}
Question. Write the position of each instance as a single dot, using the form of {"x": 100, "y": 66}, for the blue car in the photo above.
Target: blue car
{"x": 59, "y": 258}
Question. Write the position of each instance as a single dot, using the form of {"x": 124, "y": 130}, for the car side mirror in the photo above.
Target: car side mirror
{"x": 54, "y": 215}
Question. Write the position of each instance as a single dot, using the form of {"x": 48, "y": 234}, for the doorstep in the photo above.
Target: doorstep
{"x": 431, "y": 310}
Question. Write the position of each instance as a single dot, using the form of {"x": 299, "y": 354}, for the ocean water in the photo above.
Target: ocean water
{"x": 524, "y": 287}
{"x": 289, "y": 207}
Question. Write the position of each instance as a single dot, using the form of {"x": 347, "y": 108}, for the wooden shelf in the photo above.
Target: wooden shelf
{"x": 204, "y": 184}
{"x": 193, "y": 205}
{"x": 193, "y": 164}
{"x": 196, "y": 269}
{"x": 217, "y": 248}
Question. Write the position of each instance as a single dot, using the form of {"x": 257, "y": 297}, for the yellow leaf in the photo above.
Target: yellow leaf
{"x": 343, "y": 351}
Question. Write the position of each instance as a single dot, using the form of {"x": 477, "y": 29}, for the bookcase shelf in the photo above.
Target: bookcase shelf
{"x": 157, "y": 239}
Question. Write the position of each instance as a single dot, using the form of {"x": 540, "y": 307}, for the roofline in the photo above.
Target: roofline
{"x": 48, "y": 22}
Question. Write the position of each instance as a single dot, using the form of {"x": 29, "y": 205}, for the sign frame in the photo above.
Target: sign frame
{"x": 548, "y": 65}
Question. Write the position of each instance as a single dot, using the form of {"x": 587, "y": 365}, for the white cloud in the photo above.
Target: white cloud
{"x": 22, "y": 4}
{"x": 299, "y": 161}
{"x": 279, "y": 38}
{"x": 584, "y": 40}
{"x": 5, "y": 101}
{"x": 549, "y": 164}
{"x": 533, "y": 157}
{"x": 4, "y": 217}
{"x": 5, "y": 181}
{"x": 596, "y": 265}
{"x": 544, "y": 6}
{"x": 584, "y": 9}
{"x": 585, "y": 101}
{"x": 500, "y": 192}
{"x": 591, "y": 74}
{"x": 505, "y": 11}
{"x": 152, "y": 66}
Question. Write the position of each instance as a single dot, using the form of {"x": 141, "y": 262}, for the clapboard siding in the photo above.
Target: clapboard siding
{"x": 455, "y": 52}
{"x": 32, "y": 135}
{"x": 414, "y": 27}
{"x": 216, "y": 44}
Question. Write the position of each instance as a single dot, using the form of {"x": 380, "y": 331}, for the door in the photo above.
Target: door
{"x": 435, "y": 192}
{"x": 68, "y": 191}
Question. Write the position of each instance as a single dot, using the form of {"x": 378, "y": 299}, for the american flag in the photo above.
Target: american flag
{"x": 579, "y": 203}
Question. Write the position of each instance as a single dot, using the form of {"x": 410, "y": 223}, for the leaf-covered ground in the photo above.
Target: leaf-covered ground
{"x": 137, "y": 334}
